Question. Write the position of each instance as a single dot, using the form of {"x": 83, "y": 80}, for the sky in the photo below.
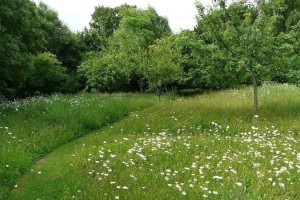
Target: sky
{"x": 76, "y": 14}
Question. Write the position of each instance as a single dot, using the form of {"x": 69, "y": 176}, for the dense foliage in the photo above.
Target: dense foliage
{"x": 27, "y": 32}
{"x": 131, "y": 49}
{"x": 232, "y": 44}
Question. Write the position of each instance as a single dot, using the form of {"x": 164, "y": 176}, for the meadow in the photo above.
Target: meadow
{"x": 33, "y": 127}
{"x": 207, "y": 146}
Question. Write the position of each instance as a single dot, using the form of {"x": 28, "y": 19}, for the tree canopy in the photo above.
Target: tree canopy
{"x": 130, "y": 49}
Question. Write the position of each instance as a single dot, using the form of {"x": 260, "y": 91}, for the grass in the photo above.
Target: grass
{"x": 31, "y": 128}
{"x": 190, "y": 148}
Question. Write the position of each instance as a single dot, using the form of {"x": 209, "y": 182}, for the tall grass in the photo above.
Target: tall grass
{"x": 191, "y": 148}
{"x": 31, "y": 128}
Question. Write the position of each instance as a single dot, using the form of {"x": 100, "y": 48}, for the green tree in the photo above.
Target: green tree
{"x": 146, "y": 24}
{"x": 203, "y": 65}
{"x": 164, "y": 64}
{"x": 244, "y": 35}
{"x": 103, "y": 72}
{"x": 46, "y": 74}
{"x": 20, "y": 38}
{"x": 124, "y": 59}
{"x": 59, "y": 39}
{"x": 286, "y": 66}
{"x": 138, "y": 30}
{"x": 105, "y": 21}
{"x": 287, "y": 12}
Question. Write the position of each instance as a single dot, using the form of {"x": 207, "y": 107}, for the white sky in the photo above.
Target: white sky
{"x": 77, "y": 13}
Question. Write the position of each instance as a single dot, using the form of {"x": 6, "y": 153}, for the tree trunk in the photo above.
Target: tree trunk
{"x": 255, "y": 95}
{"x": 141, "y": 85}
{"x": 158, "y": 92}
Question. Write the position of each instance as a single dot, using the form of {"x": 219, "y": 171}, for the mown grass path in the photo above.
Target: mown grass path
{"x": 45, "y": 179}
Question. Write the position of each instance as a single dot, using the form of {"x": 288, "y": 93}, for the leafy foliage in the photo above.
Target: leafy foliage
{"x": 164, "y": 65}
{"x": 131, "y": 49}
{"x": 20, "y": 38}
{"x": 125, "y": 57}
{"x": 46, "y": 74}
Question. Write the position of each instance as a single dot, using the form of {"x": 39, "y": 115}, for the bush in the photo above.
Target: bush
{"x": 46, "y": 75}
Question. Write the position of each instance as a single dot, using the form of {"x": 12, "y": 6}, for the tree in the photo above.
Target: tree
{"x": 138, "y": 30}
{"x": 146, "y": 24}
{"x": 27, "y": 30}
{"x": 203, "y": 65}
{"x": 103, "y": 72}
{"x": 121, "y": 66}
{"x": 164, "y": 64}
{"x": 105, "y": 21}
{"x": 46, "y": 74}
{"x": 244, "y": 35}
{"x": 287, "y": 13}
{"x": 59, "y": 39}
{"x": 286, "y": 65}
{"x": 20, "y": 38}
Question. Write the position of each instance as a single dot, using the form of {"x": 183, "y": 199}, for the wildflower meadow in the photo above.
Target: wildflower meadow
{"x": 202, "y": 147}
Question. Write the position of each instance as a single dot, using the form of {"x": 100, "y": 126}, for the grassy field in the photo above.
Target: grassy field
{"x": 31, "y": 128}
{"x": 190, "y": 148}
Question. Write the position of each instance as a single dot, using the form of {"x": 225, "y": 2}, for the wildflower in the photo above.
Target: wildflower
{"x": 281, "y": 184}
{"x": 298, "y": 156}
{"x": 239, "y": 184}
{"x": 270, "y": 179}
{"x": 256, "y": 165}
{"x": 217, "y": 177}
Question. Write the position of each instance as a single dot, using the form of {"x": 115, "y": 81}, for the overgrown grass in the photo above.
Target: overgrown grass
{"x": 31, "y": 128}
{"x": 191, "y": 148}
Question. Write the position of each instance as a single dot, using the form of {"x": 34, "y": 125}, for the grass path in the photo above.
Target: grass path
{"x": 190, "y": 148}
{"x": 44, "y": 181}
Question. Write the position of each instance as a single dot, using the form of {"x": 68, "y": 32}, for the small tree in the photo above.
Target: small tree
{"x": 244, "y": 35}
{"x": 46, "y": 74}
{"x": 106, "y": 71}
{"x": 164, "y": 64}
